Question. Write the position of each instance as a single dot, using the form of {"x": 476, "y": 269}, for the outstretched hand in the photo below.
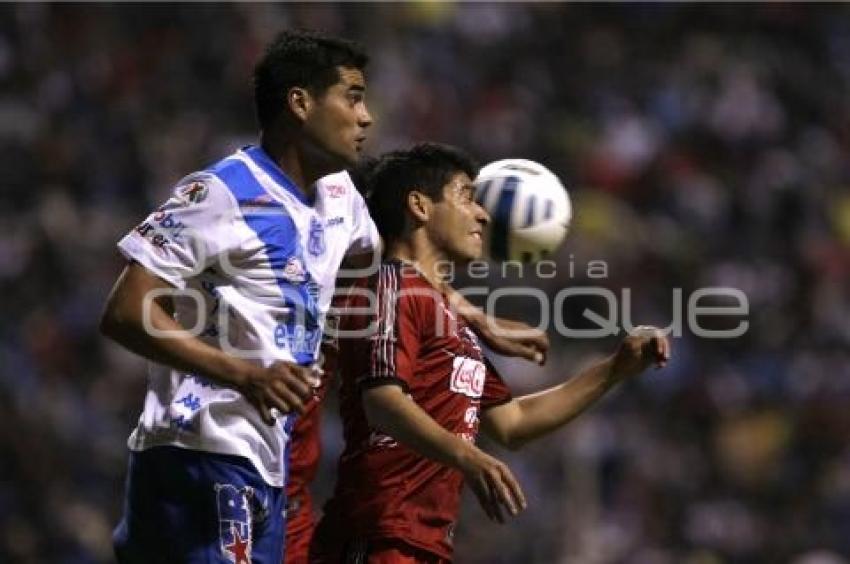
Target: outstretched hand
{"x": 644, "y": 346}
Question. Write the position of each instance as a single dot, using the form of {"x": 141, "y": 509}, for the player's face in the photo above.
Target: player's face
{"x": 458, "y": 223}
{"x": 336, "y": 125}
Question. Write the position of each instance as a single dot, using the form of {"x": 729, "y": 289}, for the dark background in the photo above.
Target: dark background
{"x": 702, "y": 146}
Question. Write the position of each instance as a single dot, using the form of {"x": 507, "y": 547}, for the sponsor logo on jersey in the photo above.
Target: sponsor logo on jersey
{"x": 293, "y": 270}
{"x": 334, "y": 221}
{"x": 336, "y": 190}
{"x": 234, "y": 522}
{"x": 166, "y": 220}
{"x": 194, "y": 193}
{"x": 316, "y": 241}
{"x": 150, "y": 234}
{"x": 298, "y": 338}
{"x": 470, "y": 416}
{"x": 467, "y": 377}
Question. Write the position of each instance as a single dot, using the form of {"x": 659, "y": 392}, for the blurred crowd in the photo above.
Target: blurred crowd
{"x": 703, "y": 146}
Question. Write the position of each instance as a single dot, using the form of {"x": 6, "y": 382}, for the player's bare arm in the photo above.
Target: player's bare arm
{"x": 389, "y": 409}
{"x": 529, "y": 417}
{"x": 284, "y": 386}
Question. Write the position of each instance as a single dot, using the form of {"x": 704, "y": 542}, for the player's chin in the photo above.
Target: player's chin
{"x": 473, "y": 251}
{"x": 476, "y": 247}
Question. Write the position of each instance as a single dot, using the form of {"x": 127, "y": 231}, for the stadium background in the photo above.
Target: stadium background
{"x": 703, "y": 145}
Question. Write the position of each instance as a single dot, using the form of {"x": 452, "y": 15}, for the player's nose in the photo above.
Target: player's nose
{"x": 364, "y": 118}
{"x": 481, "y": 215}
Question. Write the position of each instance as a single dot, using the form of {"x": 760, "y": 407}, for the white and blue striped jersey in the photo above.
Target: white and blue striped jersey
{"x": 254, "y": 264}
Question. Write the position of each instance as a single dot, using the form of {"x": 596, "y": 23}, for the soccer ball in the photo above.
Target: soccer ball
{"x": 529, "y": 209}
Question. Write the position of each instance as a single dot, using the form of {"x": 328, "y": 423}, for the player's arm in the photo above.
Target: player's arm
{"x": 504, "y": 336}
{"x": 523, "y": 419}
{"x": 282, "y": 385}
{"x": 392, "y": 411}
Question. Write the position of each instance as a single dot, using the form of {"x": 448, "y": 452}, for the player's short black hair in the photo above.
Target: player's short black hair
{"x": 426, "y": 167}
{"x": 304, "y": 58}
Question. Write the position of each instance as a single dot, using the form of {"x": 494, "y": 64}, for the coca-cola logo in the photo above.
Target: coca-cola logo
{"x": 468, "y": 377}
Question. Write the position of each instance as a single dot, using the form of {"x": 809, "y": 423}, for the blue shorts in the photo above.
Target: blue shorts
{"x": 186, "y": 507}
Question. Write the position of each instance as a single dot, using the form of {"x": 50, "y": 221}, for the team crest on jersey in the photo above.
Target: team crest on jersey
{"x": 234, "y": 522}
{"x": 316, "y": 241}
{"x": 194, "y": 193}
{"x": 294, "y": 270}
{"x": 467, "y": 377}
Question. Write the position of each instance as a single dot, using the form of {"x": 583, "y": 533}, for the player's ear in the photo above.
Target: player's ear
{"x": 419, "y": 205}
{"x": 299, "y": 102}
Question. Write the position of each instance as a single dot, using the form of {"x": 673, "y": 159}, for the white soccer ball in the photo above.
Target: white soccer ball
{"x": 529, "y": 209}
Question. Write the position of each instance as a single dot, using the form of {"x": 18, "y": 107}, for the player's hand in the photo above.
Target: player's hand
{"x": 645, "y": 345}
{"x": 281, "y": 386}
{"x": 493, "y": 483}
{"x": 514, "y": 338}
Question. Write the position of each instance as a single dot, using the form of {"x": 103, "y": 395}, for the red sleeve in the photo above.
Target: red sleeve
{"x": 496, "y": 392}
{"x": 394, "y": 345}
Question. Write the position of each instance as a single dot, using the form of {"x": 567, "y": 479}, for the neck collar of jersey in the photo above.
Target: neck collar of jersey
{"x": 440, "y": 286}
{"x": 265, "y": 162}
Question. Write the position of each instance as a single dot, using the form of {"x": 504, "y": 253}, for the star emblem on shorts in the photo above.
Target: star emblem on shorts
{"x": 240, "y": 549}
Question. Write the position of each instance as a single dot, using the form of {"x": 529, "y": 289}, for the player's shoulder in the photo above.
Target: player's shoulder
{"x": 405, "y": 282}
{"x": 338, "y": 186}
{"x": 236, "y": 182}
{"x": 201, "y": 189}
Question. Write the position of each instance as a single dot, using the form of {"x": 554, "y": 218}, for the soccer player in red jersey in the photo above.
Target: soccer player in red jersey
{"x": 415, "y": 385}
{"x": 306, "y": 449}
{"x": 508, "y": 337}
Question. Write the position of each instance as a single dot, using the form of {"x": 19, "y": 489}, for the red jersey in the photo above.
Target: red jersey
{"x": 304, "y": 455}
{"x": 303, "y": 463}
{"x": 384, "y": 489}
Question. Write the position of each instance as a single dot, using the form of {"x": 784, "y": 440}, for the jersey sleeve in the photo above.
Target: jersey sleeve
{"x": 394, "y": 343}
{"x": 187, "y": 234}
{"x": 496, "y": 392}
{"x": 364, "y": 237}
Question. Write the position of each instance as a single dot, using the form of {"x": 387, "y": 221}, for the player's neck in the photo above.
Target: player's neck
{"x": 428, "y": 260}
{"x": 291, "y": 162}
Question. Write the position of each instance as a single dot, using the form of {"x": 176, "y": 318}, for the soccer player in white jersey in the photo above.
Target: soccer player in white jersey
{"x": 226, "y": 290}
